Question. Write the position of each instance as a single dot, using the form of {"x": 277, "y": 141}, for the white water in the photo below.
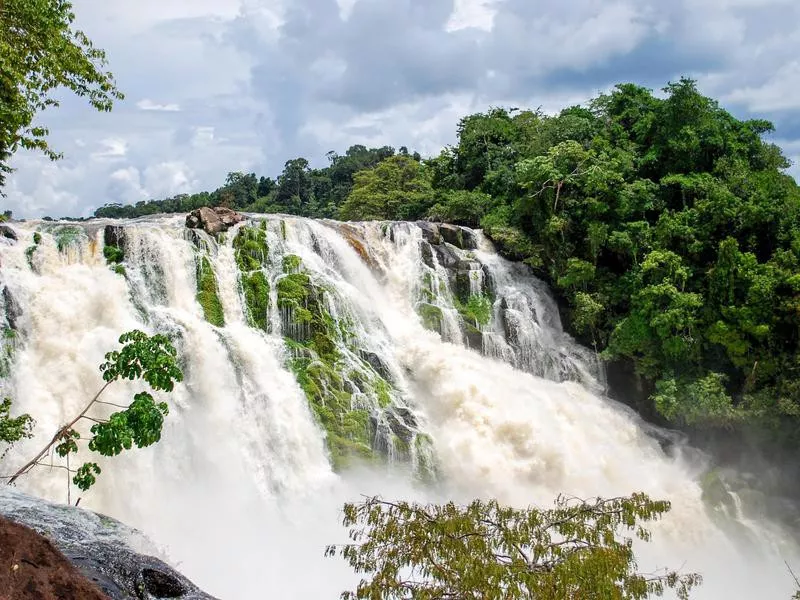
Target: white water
{"x": 239, "y": 493}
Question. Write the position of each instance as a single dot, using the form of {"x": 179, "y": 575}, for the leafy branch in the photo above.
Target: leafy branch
{"x": 491, "y": 552}
{"x": 152, "y": 358}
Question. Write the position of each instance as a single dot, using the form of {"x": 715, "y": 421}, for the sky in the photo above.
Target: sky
{"x": 214, "y": 86}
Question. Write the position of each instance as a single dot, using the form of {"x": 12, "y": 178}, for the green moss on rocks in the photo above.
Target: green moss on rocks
{"x": 66, "y": 235}
{"x": 113, "y": 254}
{"x": 431, "y": 316}
{"x": 291, "y": 263}
{"x": 256, "y": 298}
{"x": 477, "y": 310}
{"x": 251, "y": 252}
{"x": 250, "y": 248}
{"x": 207, "y": 293}
{"x": 349, "y": 430}
{"x": 37, "y": 238}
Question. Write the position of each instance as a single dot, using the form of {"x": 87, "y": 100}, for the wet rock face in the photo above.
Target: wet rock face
{"x": 8, "y": 233}
{"x": 114, "y": 235}
{"x": 100, "y": 548}
{"x": 213, "y": 220}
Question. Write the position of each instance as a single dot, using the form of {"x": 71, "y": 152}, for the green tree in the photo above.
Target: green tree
{"x": 397, "y": 188}
{"x": 151, "y": 358}
{"x": 485, "y": 551}
{"x": 40, "y": 52}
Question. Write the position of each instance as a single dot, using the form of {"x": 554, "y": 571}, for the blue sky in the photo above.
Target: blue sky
{"x": 223, "y": 85}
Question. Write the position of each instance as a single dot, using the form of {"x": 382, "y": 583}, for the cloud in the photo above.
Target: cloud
{"x": 224, "y": 85}
{"x": 147, "y": 104}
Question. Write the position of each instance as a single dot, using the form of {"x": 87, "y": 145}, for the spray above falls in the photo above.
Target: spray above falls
{"x": 324, "y": 360}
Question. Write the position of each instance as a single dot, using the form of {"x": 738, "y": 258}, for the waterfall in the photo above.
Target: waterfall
{"x": 324, "y": 360}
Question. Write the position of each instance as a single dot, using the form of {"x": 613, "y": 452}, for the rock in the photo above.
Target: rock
{"x": 13, "y": 309}
{"x": 101, "y": 549}
{"x": 376, "y": 362}
{"x": 213, "y": 220}
{"x": 470, "y": 239}
{"x": 430, "y": 232}
{"x": 7, "y": 232}
{"x": 228, "y": 217}
{"x": 452, "y": 234}
{"x": 114, "y": 235}
{"x": 427, "y": 253}
{"x": 474, "y": 337}
{"x": 31, "y": 567}
{"x": 446, "y": 257}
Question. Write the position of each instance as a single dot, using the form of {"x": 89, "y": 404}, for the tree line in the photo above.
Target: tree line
{"x": 667, "y": 227}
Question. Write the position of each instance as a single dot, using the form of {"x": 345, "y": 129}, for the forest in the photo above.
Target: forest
{"x": 667, "y": 227}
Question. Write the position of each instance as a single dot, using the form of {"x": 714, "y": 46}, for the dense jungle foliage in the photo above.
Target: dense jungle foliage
{"x": 667, "y": 227}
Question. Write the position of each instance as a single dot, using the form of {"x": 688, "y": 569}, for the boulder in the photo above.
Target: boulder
{"x": 101, "y": 549}
{"x": 446, "y": 257}
{"x": 377, "y": 364}
{"x": 31, "y": 567}
{"x": 427, "y": 254}
{"x": 7, "y": 232}
{"x": 213, "y": 220}
{"x": 430, "y": 232}
{"x": 452, "y": 234}
{"x": 13, "y": 309}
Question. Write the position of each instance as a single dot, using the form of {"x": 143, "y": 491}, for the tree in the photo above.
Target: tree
{"x": 490, "y": 552}
{"x": 397, "y": 188}
{"x": 152, "y": 358}
{"x": 40, "y": 52}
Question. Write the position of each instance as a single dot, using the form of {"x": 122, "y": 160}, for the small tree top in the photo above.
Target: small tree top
{"x": 485, "y": 551}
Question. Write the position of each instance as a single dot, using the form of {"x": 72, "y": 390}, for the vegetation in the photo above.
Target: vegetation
{"x": 487, "y": 551}
{"x": 208, "y": 293}
{"x": 671, "y": 234}
{"x": 298, "y": 190}
{"x": 250, "y": 246}
{"x": 667, "y": 227}
{"x": 40, "y": 53}
{"x": 151, "y": 358}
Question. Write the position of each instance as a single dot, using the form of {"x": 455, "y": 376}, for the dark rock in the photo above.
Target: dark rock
{"x": 114, "y": 235}
{"x": 402, "y": 424}
{"x": 376, "y": 362}
{"x": 462, "y": 285}
{"x": 7, "y": 232}
{"x": 213, "y": 220}
{"x": 452, "y": 234}
{"x": 470, "y": 239}
{"x": 13, "y": 309}
{"x": 489, "y": 283}
{"x": 427, "y": 253}
{"x": 446, "y": 257}
{"x": 474, "y": 337}
{"x": 430, "y": 232}
{"x": 100, "y": 548}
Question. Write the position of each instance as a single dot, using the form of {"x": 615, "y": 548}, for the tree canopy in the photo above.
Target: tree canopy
{"x": 667, "y": 227}
{"x": 486, "y": 551}
{"x": 40, "y": 52}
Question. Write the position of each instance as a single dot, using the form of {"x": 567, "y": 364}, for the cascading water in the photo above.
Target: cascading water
{"x": 324, "y": 360}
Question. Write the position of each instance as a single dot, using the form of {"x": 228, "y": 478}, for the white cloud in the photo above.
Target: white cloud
{"x": 229, "y": 85}
{"x": 472, "y": 13}
{"x": 113, "y": 148}
{"x": 778, "y": 92}
{"x": 147, "y": 104}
